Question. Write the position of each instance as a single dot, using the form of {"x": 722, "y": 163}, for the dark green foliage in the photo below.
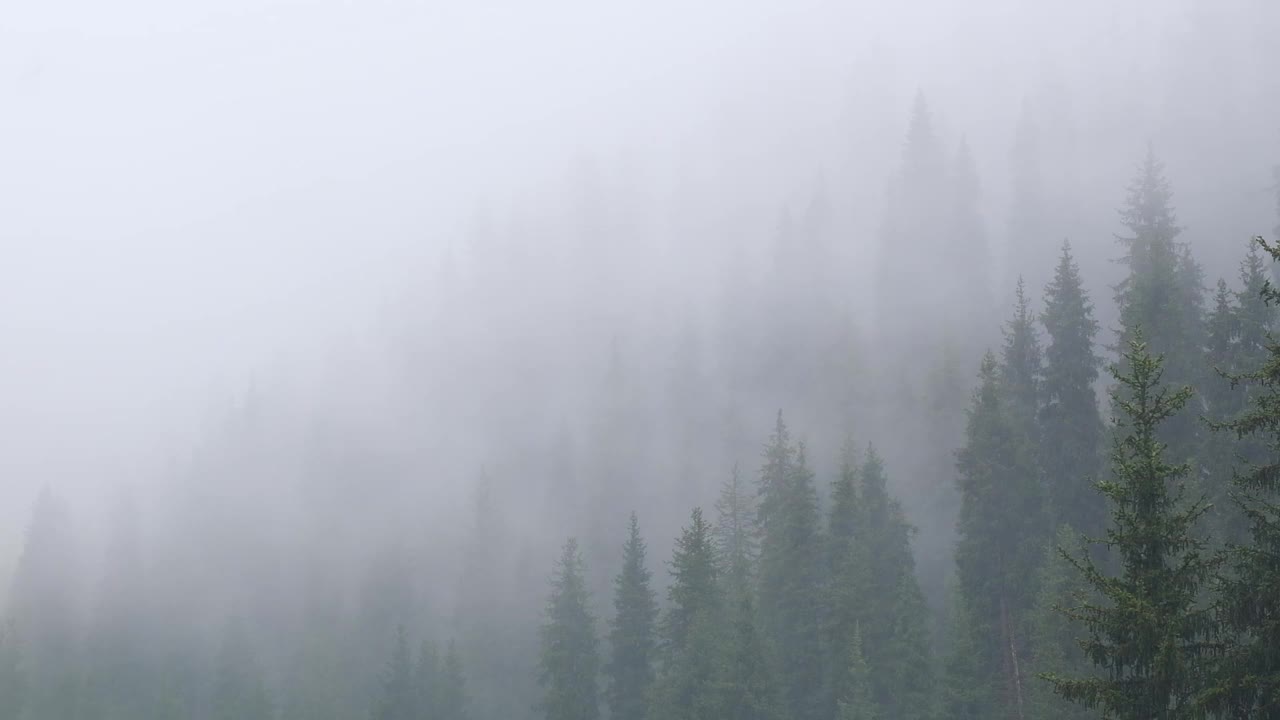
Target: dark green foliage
{"x": 791, "y": 575}
{"x": 1147, "y": 631}
{"x": 1002, "y": 535}
{"x": 570, "y": 661}
{"x": 1072, "y": 441}
{"x": 971, "y": 689}
{"x": 632, "y": 633}
{"x": 1247, "y": 683}
{"x": 1162, "y": 294}
{"x": 849, "y": 571}
{"x": 1055, "y": 639}
{"x": 692, "y": 632}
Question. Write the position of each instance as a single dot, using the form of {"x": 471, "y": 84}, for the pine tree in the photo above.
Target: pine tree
{"x": 848, "y": 567}
{"x": 971, "y": 689}
{"x": 1002, "y": 534}
{"x": 1055, "y": 641}
{"x": 1150, "y": 633}
{"x": 426, "y": 680}
{"x": 855, "y": 701}
{"x": 12, "y": 683}
{"x": 749, "y": 687}
{"x": 691, "y": 630}
{"x": 569, "y": 661}
{"x": 1071, "y": 447}
{"x": 791, "y": 577}
{"x": 632, "y": 640}
{"x": 398, "y": 699}
{"x": 239, "y": 690}
{"x": 1021, "y": 365}
{"x": 42, "y": 608}
{"x": 893, "y": 616}
{"x": 1162, "y": 294}
{"x": 735, "y": 534}
{"x": 451, "y": 697}
{"x": 1247, "y": 682}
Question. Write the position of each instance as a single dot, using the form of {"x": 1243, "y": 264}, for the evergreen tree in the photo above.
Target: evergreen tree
{"x": 1001, "y": 535}
{"x": 632, "y": 638}
{"x": 735, "y": 534}
{"x": 855, "y": 701}
{"x": 749, "y": 688}
{"x": 12, "y": 683}
{"x": 239, "y": 690}
{"x": 1021, "y": 365}
{"x": 893, "y": 618}
{"x": 426, "y": 680}
{"x": 848, "y": 568}
{"x": 1162, "y": 294}
{"x": 1247, "y": 684}
{"x": 451, "y": 697}
{"x": 791, "y": 577}
{"x": 692, "y": 639}
{"x": 1071, "y": 448}
{"x": 970, "y": 689}
{"x": 1150, "y": 632}
{"x": 42, "y": 608}
{"x": 1055, "y": 640}
{"x": 398, "y": 700}
{"x": 569, "y": 661}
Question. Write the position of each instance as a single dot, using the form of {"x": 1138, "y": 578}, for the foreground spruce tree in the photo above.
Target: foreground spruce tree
{"x": 1071, "y": 451}
{"x": 848, "y": 567}
{"x": 570, "y": 662}
{"x": 735, "y": 534}
{"x": 632, "y": 639}
{"x": 791, "y": 577}
{"x": 749, "y": 690}
{"x": 1248, "y": 679}
{"x": 1148, "y": 631}
{"x": 854, "y": 701}
{"x": 1055, "y": 639}
{"x": 12, "y": 683}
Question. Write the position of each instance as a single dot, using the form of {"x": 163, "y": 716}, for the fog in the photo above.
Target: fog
{"x": 305, "y": 287}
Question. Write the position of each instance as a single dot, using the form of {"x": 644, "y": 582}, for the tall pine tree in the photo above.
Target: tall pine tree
{"x": 791, "y": 575}
{"x": 1071, "y": 446}
{"x": 570, "y": 659}
{"x": 1149, "y": 633}
{"x": 1002, "y": 536}
{"x": 632, "y": 639}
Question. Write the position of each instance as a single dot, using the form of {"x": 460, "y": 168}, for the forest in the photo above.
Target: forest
{"x": 939, "y": 397}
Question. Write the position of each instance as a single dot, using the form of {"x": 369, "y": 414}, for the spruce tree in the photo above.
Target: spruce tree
{"x": 1001, "y": 535}
{"x": 847, "y": 564}
{"x": 1021, "y": 364}
{"x": 1162, "y": 294}
{"x": 569, "y": 662}
{"x": 855, "y": 701}
{"x": 239, "y": 689}
{"x": 1150, "y": 632}
{"x": 735, "y": 534}
{"x": 399, "y": 697}
{"x": 692, "y": 634}
{"x": 426, "y": 681}
{"x": 893, "y": 618}
{"x": 1055, "y": 645}
{"x": 791, "y": 575}
{"x": 1071, "y": 450}
{"x": 632, "y": 640}
{"x": 1247, "y": 682}
{"x": 12, "y": 683}
{"x": 749, "y": 689}
{"x": 451, "y": 690}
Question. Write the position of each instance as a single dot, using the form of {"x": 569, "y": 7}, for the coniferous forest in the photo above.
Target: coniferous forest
{"x": 890, "y": 454}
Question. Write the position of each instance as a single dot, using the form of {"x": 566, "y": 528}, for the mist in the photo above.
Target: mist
{"x": 348, "y": 315}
